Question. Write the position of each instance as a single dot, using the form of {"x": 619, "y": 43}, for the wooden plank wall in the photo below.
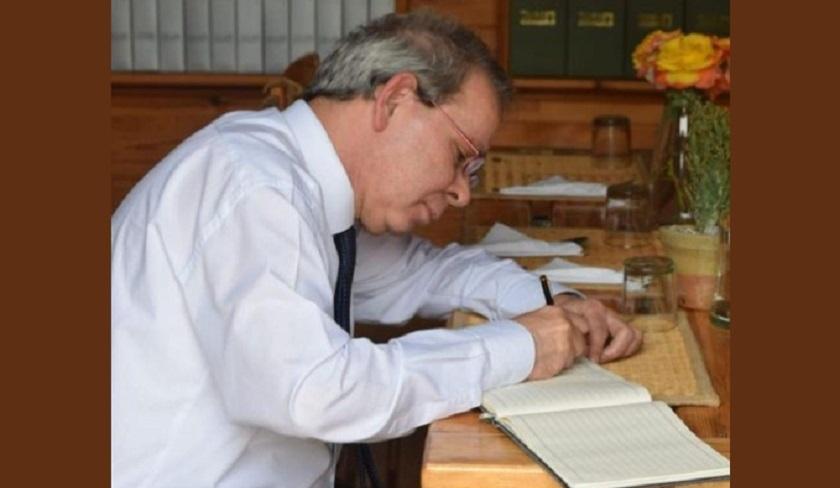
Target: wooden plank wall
{"x": 148, "y": 122}
{"x": 482, "y": 16}
{"x": 564, "y": 120}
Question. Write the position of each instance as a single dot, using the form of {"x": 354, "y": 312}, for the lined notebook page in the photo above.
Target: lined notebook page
{"x": 584, "y": 385}
{"x": 617, "y": 446}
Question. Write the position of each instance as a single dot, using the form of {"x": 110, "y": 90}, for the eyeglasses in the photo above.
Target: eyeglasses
{"x": 472, "y": 163}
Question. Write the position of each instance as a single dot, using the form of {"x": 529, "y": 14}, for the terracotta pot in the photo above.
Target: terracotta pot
{"x": 695, "y": 261}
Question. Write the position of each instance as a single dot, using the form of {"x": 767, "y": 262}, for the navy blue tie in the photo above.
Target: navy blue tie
{"x": 345, "y": 244}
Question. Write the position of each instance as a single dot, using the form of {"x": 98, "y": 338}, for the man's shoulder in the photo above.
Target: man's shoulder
{"x": 196, "y": 187}
{"x": 219, "y": 165}
{"x": 258, "y": 139}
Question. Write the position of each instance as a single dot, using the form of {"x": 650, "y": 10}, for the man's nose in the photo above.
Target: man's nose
{"x": 458, "y": 194}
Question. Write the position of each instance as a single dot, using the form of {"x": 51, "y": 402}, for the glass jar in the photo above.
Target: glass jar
{"x": 627, "y": 215}
{"x": 611, "y": 141}
{"x": 719, "y": 312}
{"x": 649, "y": 298}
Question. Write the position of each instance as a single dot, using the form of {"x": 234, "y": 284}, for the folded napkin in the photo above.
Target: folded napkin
{"x": 505, "y": 241}
{"x": 557, "y": 185}
{"x": 567, "y": 272}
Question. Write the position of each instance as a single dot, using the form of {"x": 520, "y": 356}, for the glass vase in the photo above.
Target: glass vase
{"x": 668, "y": 163}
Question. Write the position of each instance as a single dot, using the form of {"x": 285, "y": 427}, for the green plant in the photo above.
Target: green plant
{"x": 705, "y": 185}
{"x": 693, "y": 69}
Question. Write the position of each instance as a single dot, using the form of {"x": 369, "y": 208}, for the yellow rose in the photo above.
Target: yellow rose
{"x": 645, "y": 53}
{"x": 683, "y": 58}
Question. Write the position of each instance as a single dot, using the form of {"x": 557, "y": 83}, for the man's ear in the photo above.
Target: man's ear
{"x": 400, "y": 89}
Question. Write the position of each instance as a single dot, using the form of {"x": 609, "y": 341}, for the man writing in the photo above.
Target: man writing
{"x": 230, "y": 366}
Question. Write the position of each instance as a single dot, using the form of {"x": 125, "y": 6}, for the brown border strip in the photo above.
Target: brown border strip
{"x": 784, "y": 334}
{"x": 55, "y": 204}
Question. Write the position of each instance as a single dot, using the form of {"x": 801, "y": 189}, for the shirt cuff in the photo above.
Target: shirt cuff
{"x": 528, "y": 296}
{"x": 558, "y": 288}
{"x": 510, "y": 349}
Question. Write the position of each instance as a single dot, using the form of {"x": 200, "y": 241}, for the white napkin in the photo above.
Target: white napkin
{"x": 505, "y": 241}
{"x": 557, "y": 185}
{"x": 559, "y": 269}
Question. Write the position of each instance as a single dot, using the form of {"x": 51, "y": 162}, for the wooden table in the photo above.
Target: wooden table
{"x": 463, "y": 452}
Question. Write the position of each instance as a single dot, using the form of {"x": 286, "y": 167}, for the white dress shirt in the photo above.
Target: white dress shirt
{"x": 227, "y": 367}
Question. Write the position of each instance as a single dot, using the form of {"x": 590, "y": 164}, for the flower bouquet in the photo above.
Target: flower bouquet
{"x": 691, "y": 160}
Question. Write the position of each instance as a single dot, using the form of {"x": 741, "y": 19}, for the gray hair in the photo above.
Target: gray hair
{"x": 437, "y": 50}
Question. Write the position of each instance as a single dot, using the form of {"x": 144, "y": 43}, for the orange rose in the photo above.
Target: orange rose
{"x": 674, "y": 60}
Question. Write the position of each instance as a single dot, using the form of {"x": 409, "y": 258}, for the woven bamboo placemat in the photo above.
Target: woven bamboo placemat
{"x": 669, "y": 364}
{"x": 505, "y": 168}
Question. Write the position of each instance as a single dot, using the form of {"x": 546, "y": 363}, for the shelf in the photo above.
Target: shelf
{"x": 637, "y": 86}
{"x": 560, "y": 84}
{"x": 625, "y": 88}
{"x": 528, "y": 87}
{"x": 234, "y": 80}
{"x": 552, "y": 84}
{"x": 202, "y": 80}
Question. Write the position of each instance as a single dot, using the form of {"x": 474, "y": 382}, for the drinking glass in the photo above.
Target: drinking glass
{"x": 627, "y": 215}
{"x": 649, "y": 298}
{"x": 611, "y": 141}
{"x": 719, "y": 313}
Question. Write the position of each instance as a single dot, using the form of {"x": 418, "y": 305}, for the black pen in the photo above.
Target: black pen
{"x": 549, "y": 300}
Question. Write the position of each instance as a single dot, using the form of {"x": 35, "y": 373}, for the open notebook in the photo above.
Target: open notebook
{"x": 592, "y": 428}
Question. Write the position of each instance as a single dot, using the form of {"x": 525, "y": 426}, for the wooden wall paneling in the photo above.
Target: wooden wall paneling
{"x": 401, "y": 6}
{"x": 147, "y": 123}
{"x": 578, "y": 214}
{"x": 470, "y": 12}
{"x": 488, "y": 36}
{"x": 479, "y": 15}
{"x": 565, "y": 120}
{"x": 566, "y": 135}
{"x": 584, "y": 106}
{"x": 487, "y": 211}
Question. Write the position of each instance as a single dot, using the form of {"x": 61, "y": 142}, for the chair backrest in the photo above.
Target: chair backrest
{"x": 289, "y": 86}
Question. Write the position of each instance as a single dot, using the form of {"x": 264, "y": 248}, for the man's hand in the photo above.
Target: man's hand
{"x": 557, "y": 343}
{"x": 607, "y": 336}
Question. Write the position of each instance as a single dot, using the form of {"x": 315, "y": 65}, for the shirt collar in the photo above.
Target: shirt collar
{"x": 323, "y": 164}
